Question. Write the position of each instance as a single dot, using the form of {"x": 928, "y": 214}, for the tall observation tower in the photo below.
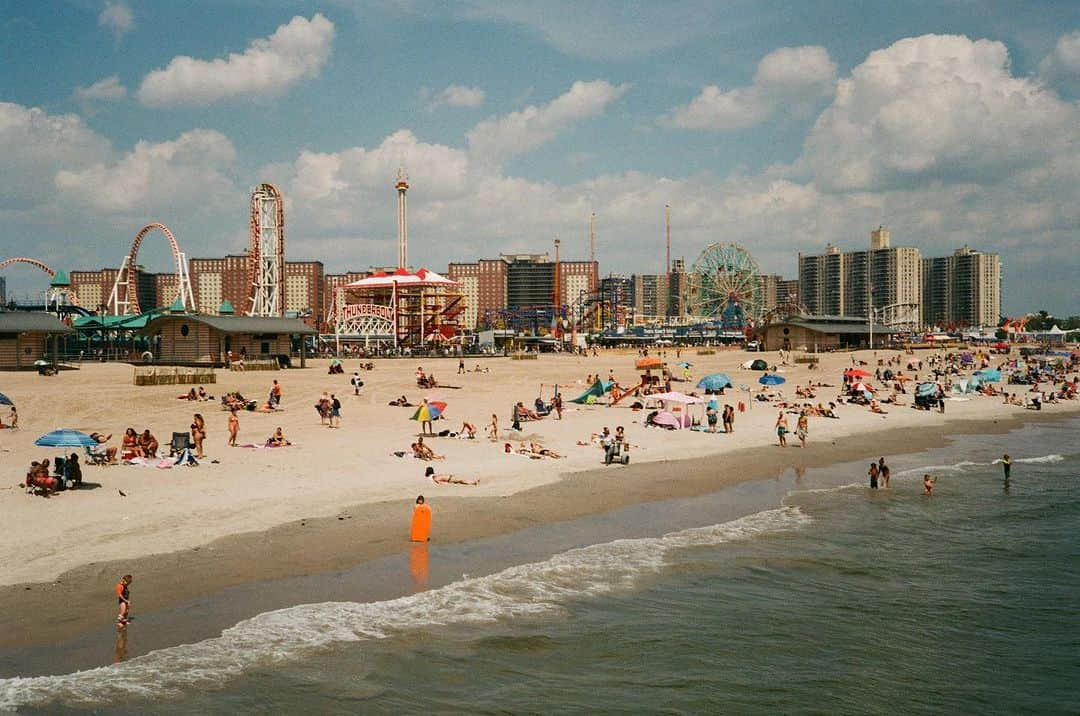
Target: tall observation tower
{"x": 402, "y": 186}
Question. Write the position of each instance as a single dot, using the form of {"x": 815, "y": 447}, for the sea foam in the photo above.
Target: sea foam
{"x": 523, "y": 591}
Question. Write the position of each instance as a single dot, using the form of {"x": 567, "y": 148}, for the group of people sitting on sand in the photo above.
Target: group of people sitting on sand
{"x": 66, "y": 473}
{"x": 423, "y": 380}
{"x": 236, "y": 401}
{"x": 143, "y": 445}
{"x": 424, "y": 452}
{"x": 199, "y": 395}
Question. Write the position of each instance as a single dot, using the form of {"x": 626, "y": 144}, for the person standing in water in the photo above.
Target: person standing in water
{"x": 123, "y": 598}
{"x": 1006, "y": 466}
{"x": 928, "y": 481}
{"x": 781, "y": 429}
{"x": 873, "y": 472}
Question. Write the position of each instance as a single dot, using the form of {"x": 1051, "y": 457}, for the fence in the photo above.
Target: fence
{"x": 256, "y": 364}
{"x": 173, "y": 375}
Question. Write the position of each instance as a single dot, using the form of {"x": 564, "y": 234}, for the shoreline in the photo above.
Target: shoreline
{"x": 360, "y": 534}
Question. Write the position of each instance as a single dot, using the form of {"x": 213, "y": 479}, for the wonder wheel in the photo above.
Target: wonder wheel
{"x": 725, "y": 286}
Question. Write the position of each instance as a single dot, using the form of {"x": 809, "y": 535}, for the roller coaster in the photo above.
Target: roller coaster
{"x": 124, "y": 299}
{"x": 57, "y": 290}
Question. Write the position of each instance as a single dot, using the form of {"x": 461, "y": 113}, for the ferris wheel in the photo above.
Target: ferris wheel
{"x": 725, "y": 286}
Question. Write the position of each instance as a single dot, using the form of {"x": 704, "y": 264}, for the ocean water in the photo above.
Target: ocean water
{"x": 838, "y": 599}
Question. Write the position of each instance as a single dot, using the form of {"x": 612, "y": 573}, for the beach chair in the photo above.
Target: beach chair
{"x": 179, "y": 443}
{"x": 96, "y": 457}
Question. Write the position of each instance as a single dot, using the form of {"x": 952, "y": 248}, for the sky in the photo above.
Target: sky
{"x": 779, "y": 126}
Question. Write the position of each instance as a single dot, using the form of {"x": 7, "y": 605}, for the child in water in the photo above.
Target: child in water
{"x": 123, "y": 598}
{"x": 928, "y": 481}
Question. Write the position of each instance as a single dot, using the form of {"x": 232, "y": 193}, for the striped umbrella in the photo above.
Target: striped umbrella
{"x": 426, "y": 413}
{"x": 65, "y": 438}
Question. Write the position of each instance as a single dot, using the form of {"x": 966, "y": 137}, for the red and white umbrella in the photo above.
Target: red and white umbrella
{"x": 862, "y": 388}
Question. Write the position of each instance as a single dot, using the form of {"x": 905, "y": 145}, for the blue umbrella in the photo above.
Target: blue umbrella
{"x": 771, "y": 379}
{"x": 684, "y": 364}
{"x": 926, "y": 389}
{"x": 65, "y": 439}
{"x": 988, "y": 376}
{"x": 4, "y": 400}
{"x": 716, "y": 381}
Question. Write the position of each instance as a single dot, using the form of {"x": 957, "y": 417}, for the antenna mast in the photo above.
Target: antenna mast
{"x": 667, "y": 228}
{"x": 592, "y": 238}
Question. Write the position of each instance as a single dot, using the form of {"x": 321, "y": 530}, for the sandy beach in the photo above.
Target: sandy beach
{"x": 338, "y": 497}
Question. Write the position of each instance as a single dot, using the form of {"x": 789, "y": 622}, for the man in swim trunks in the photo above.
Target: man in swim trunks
{"x": 781, "y": 428}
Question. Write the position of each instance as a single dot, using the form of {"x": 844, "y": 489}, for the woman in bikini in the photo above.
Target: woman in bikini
{"x": 131, "y": 443}
{"x": 447, "y": 479}
{"x": 198, "y": 434}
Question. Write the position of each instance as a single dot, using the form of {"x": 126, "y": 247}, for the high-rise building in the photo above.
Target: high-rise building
{"x": 616, "y": 304}
{"x": 216, "y": 280}
{"x": 650, "y": 293}
{"x": 787, "y": 290}
{"x": 517, "y": 281}
{"x": 849, "y": 283}
{"x": 3, "y": 290}
{"x": 962, "y": 290}
{"x": 304, "y": 289}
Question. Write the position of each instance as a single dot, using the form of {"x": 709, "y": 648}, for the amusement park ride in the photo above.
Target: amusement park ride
{"x": 60, "y": 292}
{"x": 403, "y": 308}
{"x": 124, "y": 299}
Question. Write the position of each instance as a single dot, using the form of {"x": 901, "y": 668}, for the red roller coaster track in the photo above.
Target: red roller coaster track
{"x": 133, "y": 286}
{"x": 37, "y": 264}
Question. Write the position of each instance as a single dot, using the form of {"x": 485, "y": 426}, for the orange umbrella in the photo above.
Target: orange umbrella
{"x": 648, "y": 362}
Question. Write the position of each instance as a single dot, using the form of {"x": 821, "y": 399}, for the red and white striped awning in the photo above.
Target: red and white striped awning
{"x": 402, "y": 277}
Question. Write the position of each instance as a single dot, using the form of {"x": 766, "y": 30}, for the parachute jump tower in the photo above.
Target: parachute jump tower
{"x": 267, "y": 254}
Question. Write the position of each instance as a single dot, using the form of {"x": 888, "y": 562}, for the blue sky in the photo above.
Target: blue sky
{"x": 780, "y": 126}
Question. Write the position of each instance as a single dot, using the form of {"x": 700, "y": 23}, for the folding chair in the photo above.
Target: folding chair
{"x": 179, "y": 443}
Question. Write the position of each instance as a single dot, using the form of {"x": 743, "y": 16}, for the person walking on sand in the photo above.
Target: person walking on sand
{"x": 123, "y": 598}
{"x": 782, "y": 428}
{"x": 556, "y": 405}
{"x": 356, "y": 383}
{"x": 335, "y": 411}
{"x": 275, "y": 395}
{"x": 801, "y": 428}
{"x": 234, "y": 427}
{"x": 461, "y": 365}
{"x": 493, "y": 427}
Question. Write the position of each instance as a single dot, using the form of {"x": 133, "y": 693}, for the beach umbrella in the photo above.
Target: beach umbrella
{"x": 716, "y": 381}
{"x": 41, "y": 361}
{"x": 439, "y": 404}
{"x": 857, "y": 373}
{"x": 925, "y": 389}
{"x": 4, "y": 400}
{"x": 862, "y": 388}
{"x": 989, "y": 375}
{"x": 903, "y": 378}
{"x": 771, "y": 379}
{"x": 648, "y": 362}
{"x": 65, "y": 439}
{"x": 426, "y": 413}
{"x": 758, "y": 364}
{"x": 685, "y": 364}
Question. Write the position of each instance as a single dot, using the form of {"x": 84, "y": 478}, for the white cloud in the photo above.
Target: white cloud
{"x": 458, "y": 96}
{"x": 268, "y": 67}
{"x": 117, "y": 17}
{"x": 936, "y": 107}
{"x": 36, "y": 145}
{"x": 108, "y": 89}
{"x": 1062, "y": 65}
{"x": 189, "y": 172}
{"x": 790, "y": 78}
{"x": 520, "y": 132}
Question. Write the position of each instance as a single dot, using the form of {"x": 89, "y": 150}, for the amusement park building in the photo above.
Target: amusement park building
{"x": 207, "y": 340}
{"x": 25, "y": 337}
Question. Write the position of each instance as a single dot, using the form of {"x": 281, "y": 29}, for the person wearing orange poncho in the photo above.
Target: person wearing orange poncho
{"x": 421, "y": 521}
